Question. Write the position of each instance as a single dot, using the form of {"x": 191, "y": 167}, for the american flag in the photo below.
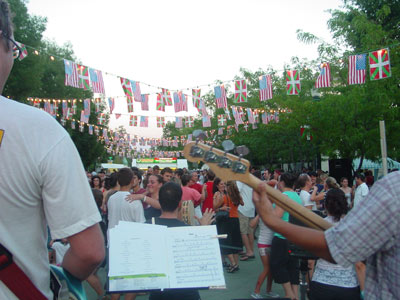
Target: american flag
{"x": 91, "y": 129}
{"x": 357, "y": 69}
{"x": 178, "y": 122}
{"x": 96, "y": 79}
{"x": 250, "y": 116}
{"x": 84, "y": 118}
{"x": 65, "y": 108}
{"x": 137, "y": 95}
{"x": 183, "y": 99}
{"x": 264, "y": 118}
{"x": 144, "y": 121}
{"x": 324, "y": 77}
{"x": 220, "y": 96}
{"x": 203, "y": 108}
{"x": 206, "y": 121}
{"x": 145, "y": 102}
{"x": 71, "y": 74}
{"x": 265, "y": 87}
{"x": 236, "y": 115}
{"x": 86, "y": 106}
{"x": 220, "y": 131}
{"x": 180, "y": 103}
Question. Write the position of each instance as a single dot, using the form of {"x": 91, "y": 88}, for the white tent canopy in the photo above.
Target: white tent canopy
{"x": 373, "y": 165}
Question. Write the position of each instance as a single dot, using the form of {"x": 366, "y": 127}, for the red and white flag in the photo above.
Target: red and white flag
{"x": 324, "y": 77}
{"x": 71, "y": 74}
{"x": 265, "y": 87}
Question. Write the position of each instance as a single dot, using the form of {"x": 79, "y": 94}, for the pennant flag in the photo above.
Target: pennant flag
{"x": 220, "y": 96}
{"x": 357, "y": 67}
{"x": 101, "y": 119}
{"x": 81, "y": 127}
{"x": 236, "y": 115}
{"x": 36, "y": 104}
{"x": 189, "y": 122}
{"x": 133, "y": 120}
{"x": 91, "y": 129}
{"x": 137, "y": 94}
{"x": 227, "y": 113}
{"x": 175, "y": 142}
{"x": 73, "y": 107}
{"x": 160, "y": 103}
{"x": 126, "y": 87}
{"x": 96, "y": 79}
{"x": 71, "y": 74}
{"x": 324, "y": 77}
{"x": 160, "y": 122}
{"x": 166, "y": 97}
{"x": 256, "y": 116}
{"x": 246, "y": 127}
{"x": 221, "y": 120}
{"x": 24, "y": 52}
{"x": 379, "y": 64}
{"x": 183, "y": 101}
{"x": 117, "y": 116}
{"x": 240, "y": 91}
{"x": 265, "y": 87}
{"x": 206, "y": 121}
{"x": 63, "y": 122}
{"x": 293, "y": 85}
{"x": 145, "y": 102}
{"x": 203, "y": 108}
{"x": 129, "y": 102}
{"x": 84, "y": 118}
{"x": 144, "y": 121}
{"x": 97, "y": 103}
{"x": 250, "y": 116}
{"x": 73, "y": 124}
{"x": 264, "y": 118}
{"x": 86, "y": 107}
{"x": 65, "y": 109}
{"x": 189, "y": 138}
{"x": 196, "y": 98}
{"x": 84, "y": 81}
{"x": 305, "y": 132}
{"x": 220, "y": 131}
{"x": 178, "y": 122}
{"x": 105, "y": 135}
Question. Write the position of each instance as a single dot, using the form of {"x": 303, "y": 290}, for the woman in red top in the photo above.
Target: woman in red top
{"x": 230, "y": 201}
{"x": 208, "y": 202}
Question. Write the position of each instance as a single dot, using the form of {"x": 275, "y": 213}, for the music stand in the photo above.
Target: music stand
{"x": 303, "y": 255}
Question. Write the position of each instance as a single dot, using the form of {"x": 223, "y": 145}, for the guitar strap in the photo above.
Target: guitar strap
{"x": 15, "y": 279}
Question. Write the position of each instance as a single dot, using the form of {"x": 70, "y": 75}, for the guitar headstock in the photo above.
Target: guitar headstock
{"x": 225, "y": 165}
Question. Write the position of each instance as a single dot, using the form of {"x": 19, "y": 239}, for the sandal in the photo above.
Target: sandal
{"x": 233, "y": 269}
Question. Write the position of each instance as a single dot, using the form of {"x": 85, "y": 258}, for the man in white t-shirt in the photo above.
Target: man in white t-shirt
{"x": 361, "y": 190}
{"x": 43, "y": 182}
{"x": 246, "y": 213}
{"x": 120, "y": 209}
{"x": 305, "y": 184}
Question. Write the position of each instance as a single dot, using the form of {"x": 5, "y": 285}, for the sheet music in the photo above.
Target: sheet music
{"x": 194, "y": 257}
{"x": 137, "y": 257}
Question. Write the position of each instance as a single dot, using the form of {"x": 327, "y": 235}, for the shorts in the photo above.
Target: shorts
{"x": 284, "y": 267}
{"x": 244, "y": 222}
{"x": 264, "y": 250}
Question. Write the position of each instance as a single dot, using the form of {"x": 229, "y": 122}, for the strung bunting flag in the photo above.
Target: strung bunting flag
{"x": 111, "y": 104}
{"x": 97, "y": 103}
{"x": 227, "y": 113}
{"x": 240, "y": 91}
{"x": 145, "y": 102}
{"x": 160, "y": 106}
{"x": 166, "y": 97}
{"x": 189, "y": 122}
{"x": 36, "y": 104}
{"x": 206, "y": 121}
{"x": 220, "y": 96}
{"x": 23, "y": 52}
{"x": 305, "y": 132}
{"x": 91, "y": 129}
{"x": 265, "y": 87}
{"x": 101, "y": 119}
{"x": 73, "y": 107}
{"x": 324, "y": 77}
{"x": 84, "y": 81}
{"x": 178, "y": 122}
{"x": 236, "y": 127}
{"x": 293, "y": 85}
{"x": 220, "y": 131}
{"x": 196, "y": 98}
{"x": 64, "y": 109}
{"x": 183, "y": 101}
{"x": 160, "y": 122}
{"x": 96, "y": 80}
{"x": 276, "y": 117}
{"x": 177, "y": 102}
{"x": 264, "y": 118}
{"x": 246, "y": 127}
{"x": 71, "y": 74}
{"x": 73, "y": 124}
{"x": 63, "y": 122}
{"x": 256, "y": 116}
{"x": 96, "y": 130}
{"x": 221, "y": 120}
{"x": 129, "y": 102}
{"x": 137, "y": 94}
{"x": 250, "y": 116}
{"x": 144, "y": 121}
{"x": 86, "y": 106}
{"x": 203, "y": 108}
{"x": 379, "y": 64}
{"x": 133, "y": 120}
{"x": 81, "y": 127}
{"x": 84, "y": 118}
{"x": 117, "y": 116}
{"x": 357, "y": 69}
{"x": 126, "y": 87}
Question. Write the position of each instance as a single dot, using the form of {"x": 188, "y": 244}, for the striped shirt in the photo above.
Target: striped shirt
{"x": 372, "y": 232}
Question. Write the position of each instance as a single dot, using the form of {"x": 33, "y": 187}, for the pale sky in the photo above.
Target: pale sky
{"x": 180, "y": 44}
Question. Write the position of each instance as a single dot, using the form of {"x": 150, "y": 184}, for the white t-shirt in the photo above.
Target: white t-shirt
{"x": 266, "y": 234}
{"x": 42, "y": 180}
{"x": 306, "y": 198}
{"x": 121, "y": 210}
{"x": 361, "y": 192}
{"x": 246, "y": 192}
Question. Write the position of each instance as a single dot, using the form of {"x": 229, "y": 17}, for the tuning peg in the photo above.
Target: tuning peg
{"x": 228, "y": 145}
{"x": 242, "y": 151}
{"x": 199, "y": 135}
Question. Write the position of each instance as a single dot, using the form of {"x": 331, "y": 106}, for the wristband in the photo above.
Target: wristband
{"x": 144, "y": 198}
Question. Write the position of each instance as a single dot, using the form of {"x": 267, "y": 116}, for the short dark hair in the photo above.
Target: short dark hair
{"x": 156, "y": 167}
{"x": 179, "y": 172}
{"x": 166, "y": 170}
{"x": 288, "y": 179}
{"x": 185, "y": 179}
{"x": 111, "y": 181}
{"x": 360, "y": 176}
{"x": 138, "y": 174}
{"x": 125, "y": 176}
{"x": 336, "y": 204}
{"x": 5, "y": 21}
{"x": 210, "y": 175}
{"x": 302, "y": 180}
{"x": 169, "y": 196}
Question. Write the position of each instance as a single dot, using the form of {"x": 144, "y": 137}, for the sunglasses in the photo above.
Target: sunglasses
{"x": 16, "y": 48}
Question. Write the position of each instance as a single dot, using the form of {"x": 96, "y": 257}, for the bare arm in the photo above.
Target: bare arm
{"x": 218, "y": 200}
{"x": 309, "y": 239}
{"x": 152, "y": 202}
{"x": 86, "y": 252}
